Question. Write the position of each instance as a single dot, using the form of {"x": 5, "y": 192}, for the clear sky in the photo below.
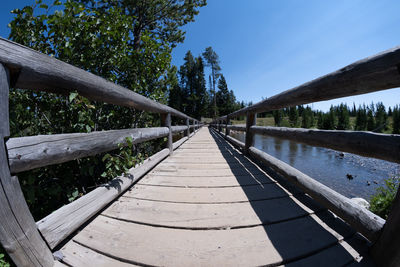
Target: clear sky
{"x": 266, "y": 47}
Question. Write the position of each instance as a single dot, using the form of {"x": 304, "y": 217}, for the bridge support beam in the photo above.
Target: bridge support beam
{"x": 18, "y": 232}
{"x": 250, "y": 121}
{"x": 386, "y": 250}
{"x": 188, "y": 128}
{"x": 166, "y": 121}
{"x": 228, "y": 120}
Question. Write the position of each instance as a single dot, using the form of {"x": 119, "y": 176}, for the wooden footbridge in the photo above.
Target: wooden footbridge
{"x": 205, "y": 200}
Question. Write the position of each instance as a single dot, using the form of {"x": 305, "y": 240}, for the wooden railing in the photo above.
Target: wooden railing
{"x": 374, "y": 73}
{"x": 24, "y": 68}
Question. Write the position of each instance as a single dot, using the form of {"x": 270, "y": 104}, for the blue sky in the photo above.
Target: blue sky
{"x": 266, "y": 47}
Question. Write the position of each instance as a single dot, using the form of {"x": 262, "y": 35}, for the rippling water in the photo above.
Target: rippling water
{"x": 328, "y": 166}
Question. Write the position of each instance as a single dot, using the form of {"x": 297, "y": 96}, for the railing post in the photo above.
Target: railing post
{"x": 219, "y": 125}
{"x": 228, "y": 120}
{"x": 18, "y": 232}
{"x": 166, "y": 121}
{"x": 250, "y": 121}
{"x": 386, "y": 250}
{"x": 188, "y": 128}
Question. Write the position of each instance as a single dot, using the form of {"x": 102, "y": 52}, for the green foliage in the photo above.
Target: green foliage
{"x": 121, "y": 161}
{"x": 226, "y": 100}
{"x": 361, "y": 119}
{"x": 381, "y": 202}
{"x": 396, "y": 119}
{"x": 107, "y": 39}
{"x": 343, "y": 117}
{"x": 278, "y": 115}
{"x": 307, "y": 118}
{"x": 293, "y": 116}
{"x": 3, "y": 261}
{"x": 212, "y": 60}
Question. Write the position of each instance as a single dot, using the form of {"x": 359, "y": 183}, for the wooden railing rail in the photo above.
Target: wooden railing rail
{"x": 367, "y": 144}
{"x": 371, "y": 74}
{"x": 24, "y": 68}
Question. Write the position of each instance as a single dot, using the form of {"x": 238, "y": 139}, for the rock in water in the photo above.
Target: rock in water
{"x": 360, "y": 201}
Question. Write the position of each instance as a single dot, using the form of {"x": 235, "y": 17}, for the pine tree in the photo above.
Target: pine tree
{"x": 278, "y": 114}
{"x": 396, "y": 119}
{"x": 343, "y": 117}
{"x": 293, "y": 116}
{"x": 212, "y": 60}
{"x": 370, "y": 120}
{"x": 361, "y": 119}
{"x": 226, "y": 99}
{"x": 307, "y": 118}
{"x": 320, "y": 120}
{"x": 380, "y": 117}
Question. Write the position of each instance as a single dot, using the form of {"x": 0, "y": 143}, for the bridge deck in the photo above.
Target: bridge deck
{"x": 210, "y": 205}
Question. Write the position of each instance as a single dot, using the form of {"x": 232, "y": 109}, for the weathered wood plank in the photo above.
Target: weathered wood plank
{"x": 26, "y": 153}
{"x": 210, "y": 181}
{"x": 207, "y": 195}
{"x": 78, "y": 255}
{"x": 368, "y": 144}
{"x": 205, "y": 173}
{"x": 34, "y": 70}
{"x": 364, "y": 221}
{"x": 341, "y": 254}
{"x": 180, "y": 142}
{"x": 4, "y": 92}
{"x": 211, "y": 216}
{"x": 254, "y": 246}
{"x": 375, "y": 73}
{"x": 64, "y": 221}
{"x": 18, "y": 233}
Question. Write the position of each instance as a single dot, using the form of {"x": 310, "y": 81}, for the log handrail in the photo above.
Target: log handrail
{"x": 367, "y": 144}
{"x": 375, "y": 73}
{"x": 29, "y": 69}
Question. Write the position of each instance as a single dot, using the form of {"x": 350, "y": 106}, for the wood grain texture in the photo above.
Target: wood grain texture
{"x": 211, "y": 216}
{"x": 207, "y": 195}
{"x": 64, "y": 221}
{"x": 26, "y": 153}
{"x": 41, "y": 72}
{"x": 364, "y": 221}
{"x": 206, "y": 181}
{"x": 4, "y": 92}
{"x": 368, "y": 144}
{"x": 375, "y": 73}
{"x": 78, "y": 255}
{"x": 254, "y": 246}
{"x": 18, "y": 233}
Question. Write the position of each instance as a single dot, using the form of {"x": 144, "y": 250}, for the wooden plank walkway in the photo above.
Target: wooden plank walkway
{"x": 208, "y": 205}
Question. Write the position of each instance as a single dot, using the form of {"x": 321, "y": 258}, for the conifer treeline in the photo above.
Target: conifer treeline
{"x": 189, "y": 92}
{"x": 373, "y": 117}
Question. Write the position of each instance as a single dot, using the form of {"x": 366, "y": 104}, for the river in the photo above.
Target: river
{"x": 328, "y": 166}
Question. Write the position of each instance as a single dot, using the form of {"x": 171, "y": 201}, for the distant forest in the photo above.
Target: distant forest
{"x": 190, "y": 94}
{"x": 373, "y": 117}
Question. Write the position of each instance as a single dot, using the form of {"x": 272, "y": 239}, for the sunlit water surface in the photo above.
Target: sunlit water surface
{"x": 328, "y": 166}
